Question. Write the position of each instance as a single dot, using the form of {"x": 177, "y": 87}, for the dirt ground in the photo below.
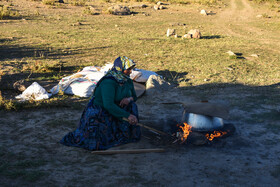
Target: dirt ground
{"x": 249, "y": 157}
{"x": 31, "y": 155}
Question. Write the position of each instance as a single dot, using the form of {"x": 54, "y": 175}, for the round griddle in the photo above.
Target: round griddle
{"x": 139, "y": 89}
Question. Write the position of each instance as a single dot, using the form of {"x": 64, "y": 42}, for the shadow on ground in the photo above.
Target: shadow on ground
{"x": 173, "y": 76}
{"x": 212, "y": 37}
{"x": 21, "y": 51}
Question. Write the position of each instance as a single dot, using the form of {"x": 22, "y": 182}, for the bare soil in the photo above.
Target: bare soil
{"x": 31, "y": 154}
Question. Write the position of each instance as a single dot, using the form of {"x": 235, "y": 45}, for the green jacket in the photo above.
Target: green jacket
{"x": 109, "y": 94}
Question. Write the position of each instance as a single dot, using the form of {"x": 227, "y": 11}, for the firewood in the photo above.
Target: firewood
{"x": 129, "y": 151}
{"x": 150, "y": 128}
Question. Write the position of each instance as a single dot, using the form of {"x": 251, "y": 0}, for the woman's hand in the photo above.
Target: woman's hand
{"x": 132, "y": 119}
{"x": 126, "y": 101}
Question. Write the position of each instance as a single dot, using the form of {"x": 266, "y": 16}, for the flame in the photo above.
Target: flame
{"x": 186, "y": 131}
{"x": 215, "y": 134}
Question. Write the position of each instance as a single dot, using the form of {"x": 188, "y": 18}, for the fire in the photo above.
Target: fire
{"x": 215, "y": 134}
{"x": 186, "y": 131}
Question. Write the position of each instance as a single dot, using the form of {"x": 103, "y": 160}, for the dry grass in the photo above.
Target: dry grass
{"x": 99, "y": 39}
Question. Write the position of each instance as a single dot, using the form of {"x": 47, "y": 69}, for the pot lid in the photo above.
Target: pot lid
{"x": 208, "y": 109}
{"x": 139, "y": 89}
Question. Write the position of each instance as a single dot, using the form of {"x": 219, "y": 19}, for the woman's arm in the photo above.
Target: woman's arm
{"x": 108, "y": 90}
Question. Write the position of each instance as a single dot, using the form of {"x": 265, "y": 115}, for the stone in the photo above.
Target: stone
{"x": 93, "y": 11}
{"x": 119, "y": 10}
{"x": 161, "y": 7}
{"x": 159, "y": 3}
{"x": 195, "y": 33}
{"x": 170, "y": 32}
{"x": 231, "y": 53}
{"x": 156, "y": 84}
{"x": 259, "y": 16}
{"x": 187, "y": 36}
{"x": 254, "y": 55}
{"x": 19, "y": 85}
{"x": 156, "y": 7}
{"x": 77, "y": 24}
{"x": 203, "y": 12}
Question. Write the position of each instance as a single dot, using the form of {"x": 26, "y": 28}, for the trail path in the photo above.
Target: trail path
{"x": 239, "y": 21}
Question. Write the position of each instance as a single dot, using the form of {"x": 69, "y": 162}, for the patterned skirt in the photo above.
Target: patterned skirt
{"x": 99, "y": 130}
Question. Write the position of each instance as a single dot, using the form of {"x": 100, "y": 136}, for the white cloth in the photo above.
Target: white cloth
{"x": 83, "y": 83}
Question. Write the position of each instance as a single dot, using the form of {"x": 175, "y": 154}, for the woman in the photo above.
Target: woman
{"x": 101, "y": 125}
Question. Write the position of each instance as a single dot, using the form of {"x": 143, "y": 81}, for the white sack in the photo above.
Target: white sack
{"x": 145, "y": 74}
{"x": 34, "y": 92}
{"x": 135, "y": 75}
{"x": 83, "y": 83}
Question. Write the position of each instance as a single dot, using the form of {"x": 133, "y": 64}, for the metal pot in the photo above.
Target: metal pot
{"x": 202, "y": 122}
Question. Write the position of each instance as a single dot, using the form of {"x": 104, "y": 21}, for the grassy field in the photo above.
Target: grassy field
{"x": 51, "y": 40}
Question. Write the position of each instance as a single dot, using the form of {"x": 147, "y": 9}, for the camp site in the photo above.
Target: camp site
{"x": 139, "y": 93}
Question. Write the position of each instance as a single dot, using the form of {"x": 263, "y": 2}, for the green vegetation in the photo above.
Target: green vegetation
{"x": 63, "y": 46}
{"x": 6, "y": 12}
{"x": 267, "y": 1}
{"x": 55, "y": 102}
{"x": 49, "y": 2}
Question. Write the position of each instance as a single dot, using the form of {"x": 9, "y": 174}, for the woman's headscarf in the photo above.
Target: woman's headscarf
{"x": 116, "y": 73}
{"x": 120, "y": 64}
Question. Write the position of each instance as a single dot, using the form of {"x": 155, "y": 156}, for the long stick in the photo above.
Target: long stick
{"x": 147, "y": 127}
{"x": 129, "y": 151}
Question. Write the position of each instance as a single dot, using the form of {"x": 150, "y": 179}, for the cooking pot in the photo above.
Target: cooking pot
{"x": 201, "y": 122}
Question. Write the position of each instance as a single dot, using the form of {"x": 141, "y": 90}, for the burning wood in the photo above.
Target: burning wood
{"x": 215, "y": 134}
{"x": 184, "y": 132}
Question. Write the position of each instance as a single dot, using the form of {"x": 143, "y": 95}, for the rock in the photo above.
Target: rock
{"x": 231, "y": 53}
{"x": 203, "y": 12}
{"x": 259, "y": 16}
{"x": 156, "y": 7}
{"x": 170, "y": 32}
{"x": 119, "y": 10}
{"x": 156, "y": 84}
{"x": 254, "y": 55}
{"x": 161, "y": 7}
{"x": 187, "y": 36}
{"x": 93, "y": 11}
{"x": 195, "y": 33}
{"x": 77, "y": 24}
{"x": 19, "y": 85}
{"x": 159, "y": 3}
{"x": 176, "y": 36}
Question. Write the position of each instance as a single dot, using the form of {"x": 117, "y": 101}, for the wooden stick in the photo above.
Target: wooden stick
{"x": 129, "y": 151}
{"x": 150, "y": 128}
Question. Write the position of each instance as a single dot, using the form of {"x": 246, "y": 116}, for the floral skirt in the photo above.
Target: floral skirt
{"x": 99, "y": 130}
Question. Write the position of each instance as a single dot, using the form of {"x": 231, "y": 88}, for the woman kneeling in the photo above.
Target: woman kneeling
{"x": 101, "y": 125}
